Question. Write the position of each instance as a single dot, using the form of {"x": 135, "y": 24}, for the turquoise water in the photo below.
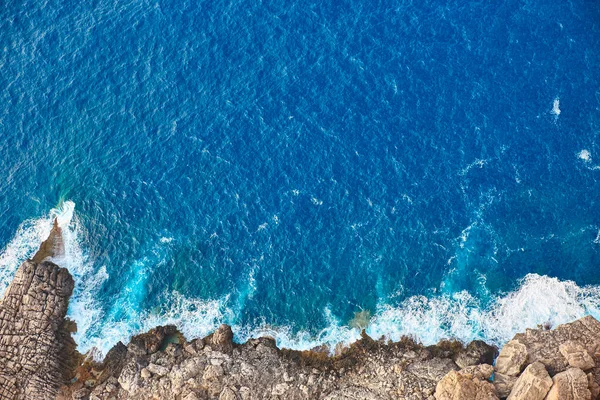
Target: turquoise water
{"x": 281, "y": 167}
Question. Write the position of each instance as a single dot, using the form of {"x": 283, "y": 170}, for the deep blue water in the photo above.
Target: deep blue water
{"x": 282, "y": 166}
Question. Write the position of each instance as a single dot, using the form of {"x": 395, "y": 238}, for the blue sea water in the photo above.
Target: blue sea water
{"x": 281, "y": 166}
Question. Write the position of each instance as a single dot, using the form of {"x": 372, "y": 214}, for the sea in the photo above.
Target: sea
{"x": 306, "y": 170}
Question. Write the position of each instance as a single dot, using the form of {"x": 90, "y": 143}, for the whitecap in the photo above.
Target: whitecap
{"x": 193, "y": 317}
{"x": 477, "y": 163}
{"x": 538, "y": 300}
{"x": 556, "y": 107}
{"x": 585, "y": 155}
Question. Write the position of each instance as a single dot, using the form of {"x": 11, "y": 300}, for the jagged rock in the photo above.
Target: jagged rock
{"x": 458, "y": 386}
{"x": 504, "y": 384}
{"x": 228, "y": 394}
{"x": 544, "y": 345}
{"x": 130, "y": 376}
{"x": 192, "y": 396}
{"x": 115, "y": 359}
{"x": 576, "y": 355}
{"x": 433, "y": 369}
{"x": 533, "y": 384}
{"x": 211, "y": 379}
{"x": 157, "y": 370}
{"x": 37, "y": 353}
{"x": 152, "y": 341}
{"x": 145, "y": 373}
{"x": 222, "y": 338}
{"x": 81, "y": 394}
{"x": 52, "y": 247}
{"x": 571, "y": 384}
{"x": 512, "y": 358}
{"x": 476, "y": 352}
{"x": 185, "y": 371}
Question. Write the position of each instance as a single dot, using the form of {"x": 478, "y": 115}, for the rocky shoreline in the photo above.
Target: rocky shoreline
{"x": 38, "y": 359}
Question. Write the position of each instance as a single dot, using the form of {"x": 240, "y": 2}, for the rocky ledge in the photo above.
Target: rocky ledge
{"x": 38, "y": 359}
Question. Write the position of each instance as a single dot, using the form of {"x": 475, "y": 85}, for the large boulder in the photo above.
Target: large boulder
{"x": 222, "y": 339}
{"x": 571, "y": 384}
{"x": 512, "y": 358}
{"x": 576, "y": 355}
{"x": 457, "y": 385}
{"x": 533, "y": 384}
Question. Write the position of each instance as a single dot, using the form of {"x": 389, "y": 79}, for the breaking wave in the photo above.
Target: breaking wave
{"x": 537, "y": 300}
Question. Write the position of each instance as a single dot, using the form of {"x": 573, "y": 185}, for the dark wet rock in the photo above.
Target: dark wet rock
{"x": 154, "y": 340}
{"x": 476, "y": 352}
{"x": 504, "y": 384}
{"x": 52, "y": 247}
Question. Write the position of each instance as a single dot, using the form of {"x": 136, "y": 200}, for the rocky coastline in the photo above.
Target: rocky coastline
{"x": 39, "y": 360}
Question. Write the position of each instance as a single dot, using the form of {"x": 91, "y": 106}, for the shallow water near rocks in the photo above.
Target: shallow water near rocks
{"x": 282, "y": 167}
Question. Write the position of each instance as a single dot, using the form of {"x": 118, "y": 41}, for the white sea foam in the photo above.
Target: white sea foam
{"x": 477, "y": 163}
{"x": 585, "y": 155}
{"x": 537, "y": 300}
{"x": 334, "y": 333}
{"x": 31, "y": 233}
{"x": 193, "y": 317}
{"x": 23, "y": 245}
{"x": 556, "y": 107}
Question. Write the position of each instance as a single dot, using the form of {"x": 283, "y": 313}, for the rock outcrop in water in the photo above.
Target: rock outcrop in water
{"x": 38, "y": 359}
{"x": 37, "y": 352}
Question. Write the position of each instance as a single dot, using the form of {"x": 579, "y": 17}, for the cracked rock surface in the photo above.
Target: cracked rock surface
{"x": 37, "y": 352}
